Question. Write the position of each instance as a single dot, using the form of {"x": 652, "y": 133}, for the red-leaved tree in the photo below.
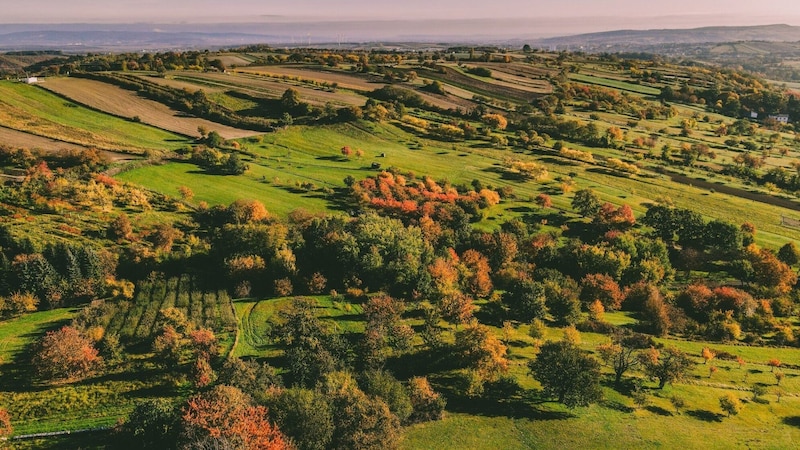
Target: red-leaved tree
{"x": 65, "y": 354}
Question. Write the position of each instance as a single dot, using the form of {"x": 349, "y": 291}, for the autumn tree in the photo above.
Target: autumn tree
{"x": 224, "y": 417}
{"x": 598, "y": 286}
{"x": 120, "y": 228}
{"x": 666, "y": 366}
{"x": 5, "y": 424}
{"x": 427, "y": 404}
{"x": 65, "y": 354}
{"x": 482, "y": 352}
{"x": 475, "y": 273}
{"x": 543, "y": 201}
{"x": 567, "y": 373}
{"x": 17, "y": 304}
{"x": 495, "y": 121}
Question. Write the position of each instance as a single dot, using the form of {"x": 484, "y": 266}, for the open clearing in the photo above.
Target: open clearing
{"x": 121, "y": 102}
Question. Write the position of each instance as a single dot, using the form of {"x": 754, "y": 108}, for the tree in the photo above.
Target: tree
{"x": 789, "y": 254}
{"x": 481, "y": 351}
{"x": 17, "y": 304}
{"x": 598, "y": 286}
{"x": 567, "y": 373}
{"x": 427, "y": 404}
{"x": 622, "y": 353}
{"x": 290, "y": 99}
{"x": 120, "y": 228}
{"x": 666, "y": 366}
{"x": 495, "y": 121}
{"x": 526, "y": 300}
{"x": 225, "y": 418}
{"x": 730, "y": 403}
{"x": 543, "y": 201}
{"x": 311, "y": 348}
{"x": 5, "y": 424}
{"x": 304, "y": 415}
{"x": 153, "y": 423}
{"x": 586, "y": 203}
{"x": 214, "y": 139}
{"x": 65, "y": 354}
{"x": 361, "y": 421}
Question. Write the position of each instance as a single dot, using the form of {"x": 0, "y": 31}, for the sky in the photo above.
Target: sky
{"x": 593, "y": 13}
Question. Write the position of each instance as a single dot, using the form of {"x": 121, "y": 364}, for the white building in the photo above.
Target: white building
{"x": 781, "y": 118}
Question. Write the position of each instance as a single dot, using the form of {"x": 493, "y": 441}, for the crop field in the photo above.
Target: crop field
{"x": 269, "y": 87}
{"x": 125, "y": 103}
{"x": 33, "y": 110}
{"x": 607, "y": 82}
{"x": 137, "y": 321}
{"x": 344, "y": 80}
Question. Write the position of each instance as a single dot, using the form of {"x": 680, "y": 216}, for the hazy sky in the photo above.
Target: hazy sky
{"x": 693, "y": 12}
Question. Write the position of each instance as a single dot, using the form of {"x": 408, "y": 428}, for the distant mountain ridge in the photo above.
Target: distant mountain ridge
{"x": 79, "y": 38}
{"x": 643, "y": 38}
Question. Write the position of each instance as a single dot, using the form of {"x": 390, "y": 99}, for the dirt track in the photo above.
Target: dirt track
{"x": 121, "y": 102}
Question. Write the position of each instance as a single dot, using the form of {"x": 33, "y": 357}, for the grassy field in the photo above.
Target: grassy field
{"x": 34, "y": 110}
{"x": 617, "y": 84}
{"x": 285, "y": 159}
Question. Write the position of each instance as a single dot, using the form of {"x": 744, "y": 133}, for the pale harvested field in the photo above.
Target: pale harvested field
{"x": 21, "y": 139}
{"x": 353, "y": 82}
{"x": 345, "y": 81}
{"x": 254, "y": 84}
{"x": 180, "y": 84}
{"x": 124, "y": 103}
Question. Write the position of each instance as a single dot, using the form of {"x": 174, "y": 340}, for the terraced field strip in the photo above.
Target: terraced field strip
{"x": 616, "y": 84}
{"x": 345, "y": 81}
{"x": 21, "y": 139}
{"x": 273, "y": 88}
{"x": 125, "y": 103}
{"x": 37, "y": 111}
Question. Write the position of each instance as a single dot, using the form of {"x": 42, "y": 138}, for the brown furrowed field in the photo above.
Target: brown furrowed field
{"x": 124, "y": 103}
{"x": 266, "y": 87}
{"x": 21, "y": 139}
{"x": 345, "y": 81}
{"x": 361, "y": 83}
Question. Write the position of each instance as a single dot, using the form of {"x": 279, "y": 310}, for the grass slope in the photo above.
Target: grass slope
{"x": 34, "y": 110}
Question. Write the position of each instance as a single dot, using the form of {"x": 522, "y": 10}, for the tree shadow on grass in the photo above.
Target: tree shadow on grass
{"x": 704, "y": 415}
{"x": 658, "y": 410}
{"x": 792, "y": 421}
{"x": 500, "y": 399}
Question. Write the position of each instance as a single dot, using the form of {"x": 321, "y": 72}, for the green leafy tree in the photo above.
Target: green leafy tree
{"x": 567, "y": 373}
{"x": 730, "y": 403}
{"x": 153, "y": 423}
{"x": 304, "y": 415}
{"x": 586, "y": 203}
